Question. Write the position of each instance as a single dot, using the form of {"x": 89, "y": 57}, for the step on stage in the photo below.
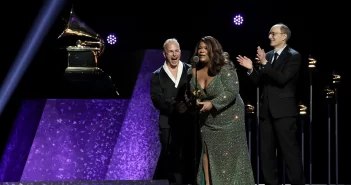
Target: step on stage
{"x": 104, "y": 182}
{"x": 112, "y": 182}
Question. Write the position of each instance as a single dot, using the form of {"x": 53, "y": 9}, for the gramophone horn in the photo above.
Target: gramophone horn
{"x": 75, "y": 27}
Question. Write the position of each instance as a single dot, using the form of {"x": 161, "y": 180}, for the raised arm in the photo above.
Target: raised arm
{"x": 253, "y": 73}
{"x": 230, "y": 81}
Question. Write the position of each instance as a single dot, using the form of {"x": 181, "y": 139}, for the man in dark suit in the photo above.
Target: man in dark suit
{"x": 168, "y": 96}
{"x": 278, "y": 75}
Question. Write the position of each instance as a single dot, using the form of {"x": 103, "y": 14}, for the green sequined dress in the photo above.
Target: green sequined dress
{"x": 223, "y": 131}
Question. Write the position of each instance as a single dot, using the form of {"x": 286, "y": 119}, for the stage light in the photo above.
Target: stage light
{"x": 238, "y": 20}
{"x": 112, "y": 39}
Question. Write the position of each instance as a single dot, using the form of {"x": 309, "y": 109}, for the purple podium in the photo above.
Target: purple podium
{"x": 86, "y": 139}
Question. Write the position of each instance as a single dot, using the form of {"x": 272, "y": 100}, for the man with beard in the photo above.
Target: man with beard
{"x": 168, "y": 86}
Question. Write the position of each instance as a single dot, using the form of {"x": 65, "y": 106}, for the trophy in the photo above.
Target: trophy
{"x": 83, "y": 77}
{"x": 197, "y": 95}
{"x": 302, "y": 109}
{"x": 83, "y": 57}
{"x": 250, "y": 112}
{"x": 336, "y": 84}
{"x": 312, "y": 62}
{"x": 329, "y": 93}
{"x": 336, "y": 78}
{"x": 250, "y": 109}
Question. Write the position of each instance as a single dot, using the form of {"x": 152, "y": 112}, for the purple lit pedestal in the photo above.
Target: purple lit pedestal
{"x": 20, "y": 140}
{"x": 74, "y": 140}
{"x": 87, "y": 139}
{"x": 105, "y": 182}
{"x": 82, "y": 139}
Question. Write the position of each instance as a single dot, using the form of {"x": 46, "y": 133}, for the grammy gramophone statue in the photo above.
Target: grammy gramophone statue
{"x": 82, "y": 77}
{"x": 83, "y": 57}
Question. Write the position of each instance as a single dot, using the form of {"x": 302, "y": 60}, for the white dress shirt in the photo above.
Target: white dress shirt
{"x": 179, "y": 73}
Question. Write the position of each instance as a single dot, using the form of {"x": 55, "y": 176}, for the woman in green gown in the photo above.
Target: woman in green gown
{"x": 224, "y": 157}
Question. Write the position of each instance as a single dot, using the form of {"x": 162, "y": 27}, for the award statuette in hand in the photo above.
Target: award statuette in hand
{"x": 197, "y": 94}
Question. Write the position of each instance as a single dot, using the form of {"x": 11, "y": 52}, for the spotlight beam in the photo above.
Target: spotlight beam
{"x": 43, "y": 22}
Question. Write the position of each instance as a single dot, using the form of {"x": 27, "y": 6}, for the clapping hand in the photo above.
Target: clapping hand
{"x": 261, "y": 56}
{"x": 245, "y": 62}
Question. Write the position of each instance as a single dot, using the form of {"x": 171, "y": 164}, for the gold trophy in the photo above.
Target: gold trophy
{"x": 329, "y": 93}
{"x": 250, "y": 112}
{"x": 197, "y": 94}
{"x": 83, "y": 77}
{"x": 83, "y": 57}
{"x": 312, "y": 63}
{"x": 250, "y": 109}
{"x": 336, "y": 78}
{"x": 303, "y": 109}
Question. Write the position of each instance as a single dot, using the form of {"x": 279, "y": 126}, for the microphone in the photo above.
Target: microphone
{"x": 195, "y": 59}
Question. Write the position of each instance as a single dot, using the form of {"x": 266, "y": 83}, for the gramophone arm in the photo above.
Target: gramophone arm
{"x": 100, "y": 43}
{"x": 89, "y": 43}
{"x": 102, "y": 47}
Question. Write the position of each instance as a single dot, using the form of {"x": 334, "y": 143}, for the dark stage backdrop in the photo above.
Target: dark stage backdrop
{"x": 146, "y": 25}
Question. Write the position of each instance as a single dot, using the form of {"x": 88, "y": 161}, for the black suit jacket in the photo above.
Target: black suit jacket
{"x": 164, "y": 95}
{"x": 278, "y": 84}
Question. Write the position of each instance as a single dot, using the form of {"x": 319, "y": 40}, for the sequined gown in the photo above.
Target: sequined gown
{"x": 223, "y": 131}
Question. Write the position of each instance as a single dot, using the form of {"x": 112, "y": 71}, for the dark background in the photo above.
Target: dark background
{"x": 316, "y": 32}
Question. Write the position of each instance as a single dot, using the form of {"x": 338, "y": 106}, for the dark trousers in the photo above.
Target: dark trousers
{"x": 162, "y": 169}
{"x": 174, "y": 162}
{"x": 280, "y": 132}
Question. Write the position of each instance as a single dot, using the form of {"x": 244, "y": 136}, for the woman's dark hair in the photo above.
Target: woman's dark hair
{"x": 215, "y": 53}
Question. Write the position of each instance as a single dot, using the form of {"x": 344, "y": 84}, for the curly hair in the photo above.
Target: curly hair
{"x": 215, "y": 53}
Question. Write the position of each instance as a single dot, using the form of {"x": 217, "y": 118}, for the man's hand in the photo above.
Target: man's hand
{"x": 261, "y": 56}
{"x": 181, "y": 107}
{"x": 245, "y": 62}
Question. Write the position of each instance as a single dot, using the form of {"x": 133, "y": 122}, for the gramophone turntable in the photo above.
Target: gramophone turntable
{"x": 82, "y": 76}
{"x": 83, "y": 57}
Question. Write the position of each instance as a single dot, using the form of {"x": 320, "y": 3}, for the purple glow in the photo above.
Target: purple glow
{"x": 95, "y": 139}
{"x": 74, "y": 140}
{"x": 122, "y": 182}
{"x": 112, "y": 39}
{"x": 41, "y": 27}
{"x": 20, "y": 141}
{"x": 238, "y": 20}
{"x": 137, "y": 149}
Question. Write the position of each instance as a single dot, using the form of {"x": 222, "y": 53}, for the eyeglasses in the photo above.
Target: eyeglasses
{"x": 274, "y": 33}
